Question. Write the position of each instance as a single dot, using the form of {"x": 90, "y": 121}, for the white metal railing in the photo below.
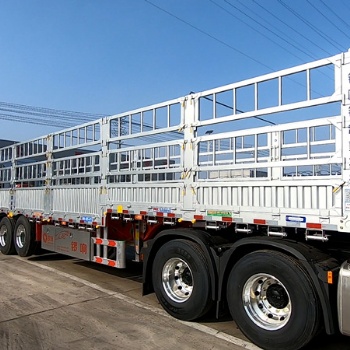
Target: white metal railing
{"x": 251, "y": 145}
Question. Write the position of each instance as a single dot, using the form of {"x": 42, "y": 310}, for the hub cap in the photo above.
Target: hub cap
{"x": 3, "y": 235}
{"x": 177, "y": 280}
{"x": 20, "y": 236}
{"x": 266, "y": 301}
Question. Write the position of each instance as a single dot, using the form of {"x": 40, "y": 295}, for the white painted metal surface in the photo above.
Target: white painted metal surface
{"x": 273, "y": 148}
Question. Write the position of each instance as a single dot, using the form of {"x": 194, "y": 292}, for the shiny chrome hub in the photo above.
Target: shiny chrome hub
{"x": 20, "y": 236}
{"x": 266, "y": 301}
{"x": 3, "y": 235}
{"x": 177, "y": 280}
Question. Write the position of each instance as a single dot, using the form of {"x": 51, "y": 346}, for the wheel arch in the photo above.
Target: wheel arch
{"x": 5, "y": 215}
{"x": 202, "y": 238}
{"x": 315, "y": 262}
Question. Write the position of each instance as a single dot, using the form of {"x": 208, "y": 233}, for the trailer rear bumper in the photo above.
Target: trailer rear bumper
{"x": 344, "y": 298}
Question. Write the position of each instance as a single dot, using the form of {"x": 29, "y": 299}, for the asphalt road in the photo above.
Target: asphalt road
{"x": 54, "y": 302}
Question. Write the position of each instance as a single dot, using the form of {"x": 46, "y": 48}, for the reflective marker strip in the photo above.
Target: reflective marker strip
{"x": 260, "y": 221}
{"x": 103, "y": 261}
{"x": 227, "y": 219}
{"x": 313, "y": 225}
{"x": 330, "y": 277}
{"x": 107, "y": 242}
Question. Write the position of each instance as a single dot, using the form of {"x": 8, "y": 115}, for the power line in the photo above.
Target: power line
{"x": 340, "y": 19}
{"x": 327, "y": 19}
{"x": 236, "y": 110}
{"x": 44, "y": 116}
{"x": 260, "y": 24}
{"x": 310, "y": 25}
{"x": 208, "y": 34}
{"x": 230, "y": 46}
{"x": 345, "y": 3}
{"x": 58, "y": 118}
{"x": 52, "y": 111}
{"x": 292, "y": 28}
{"x": 22, "y": 119}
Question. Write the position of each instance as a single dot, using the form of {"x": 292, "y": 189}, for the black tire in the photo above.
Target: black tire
{"x": 24, "y": 237}
{"x": 7, "y": 246}
{"x": 181, "y": 280}
{"x": 272, "y": 300}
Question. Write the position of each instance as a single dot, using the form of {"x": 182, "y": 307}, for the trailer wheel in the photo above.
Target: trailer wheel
{"x": 181, "y": 280}
{"x": 273, "y": 301}
{"x": 24, "y": 237}
{"x": 7, "y": 246}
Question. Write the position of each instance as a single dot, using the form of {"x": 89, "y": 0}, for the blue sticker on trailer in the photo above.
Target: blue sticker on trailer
{"x": 294, "y": 218}
{"x": 87, "y": 219}
{"x": 162, "y": 210}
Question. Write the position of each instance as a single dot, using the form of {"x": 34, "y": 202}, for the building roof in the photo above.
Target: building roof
{"x": 4, "y": 143}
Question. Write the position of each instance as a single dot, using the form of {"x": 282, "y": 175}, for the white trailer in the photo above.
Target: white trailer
{"x": 234, "y": 197}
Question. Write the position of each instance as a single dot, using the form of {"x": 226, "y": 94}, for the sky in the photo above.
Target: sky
{"x": 105, "y": 57}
